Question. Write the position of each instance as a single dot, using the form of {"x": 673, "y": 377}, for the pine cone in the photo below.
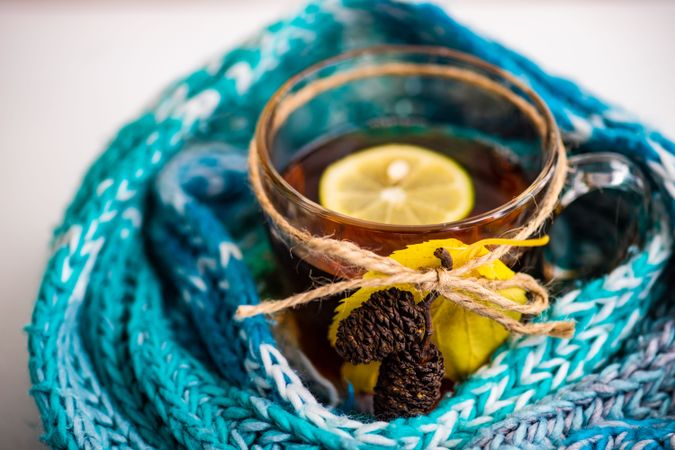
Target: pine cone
{"x": 409, "y": 383}
{"x": 382, "y": 325}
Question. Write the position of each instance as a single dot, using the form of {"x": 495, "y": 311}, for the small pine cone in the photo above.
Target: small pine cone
{"x": 409, "y": 383}
{"x": 382, "y": 325}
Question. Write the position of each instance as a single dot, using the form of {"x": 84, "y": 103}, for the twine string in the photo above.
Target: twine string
{"x": 476, "y": 294}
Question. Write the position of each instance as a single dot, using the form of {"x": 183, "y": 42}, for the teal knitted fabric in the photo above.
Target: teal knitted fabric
{"x": 132, "y": 342}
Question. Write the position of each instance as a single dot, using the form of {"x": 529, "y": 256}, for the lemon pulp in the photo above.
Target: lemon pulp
{"x": 398, "y": 184}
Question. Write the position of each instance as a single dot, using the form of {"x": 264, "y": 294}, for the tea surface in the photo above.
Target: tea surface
{"x": 494, "y": 171}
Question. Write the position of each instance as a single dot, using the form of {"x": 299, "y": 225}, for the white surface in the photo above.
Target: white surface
{"x": 71, "y": 73}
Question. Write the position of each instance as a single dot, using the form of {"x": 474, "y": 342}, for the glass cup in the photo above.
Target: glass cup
{"x": 398, "y": 92}
{"x": 407, "y": 89}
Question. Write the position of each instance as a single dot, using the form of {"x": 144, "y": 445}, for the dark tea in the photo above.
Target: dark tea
{"x": 494, "y": 171}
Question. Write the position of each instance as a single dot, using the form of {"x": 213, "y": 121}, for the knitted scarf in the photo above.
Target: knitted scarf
{"x": 132, "y": 342}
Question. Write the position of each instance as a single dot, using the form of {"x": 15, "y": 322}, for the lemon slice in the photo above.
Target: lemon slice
{"x": 398, "y": 184}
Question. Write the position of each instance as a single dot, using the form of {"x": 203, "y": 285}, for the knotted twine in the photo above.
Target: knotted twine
{"x": 475, "y": 294}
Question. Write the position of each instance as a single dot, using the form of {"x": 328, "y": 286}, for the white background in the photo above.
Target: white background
{"x": 72, "y": 72}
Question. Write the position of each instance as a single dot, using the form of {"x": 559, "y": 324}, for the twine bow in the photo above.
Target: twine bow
{"x": 476, "y": 294}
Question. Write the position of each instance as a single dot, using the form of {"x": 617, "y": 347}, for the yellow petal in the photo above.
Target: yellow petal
{"x": 363, "y": 377}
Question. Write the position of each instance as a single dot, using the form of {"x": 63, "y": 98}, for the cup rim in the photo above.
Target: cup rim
{"x": 551, "y": 136}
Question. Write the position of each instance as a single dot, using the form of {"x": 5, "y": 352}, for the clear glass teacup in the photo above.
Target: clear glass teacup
{"x": 492, "y": 124}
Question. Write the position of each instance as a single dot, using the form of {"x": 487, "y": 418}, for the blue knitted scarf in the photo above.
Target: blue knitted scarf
{"x": 132, "y": 342}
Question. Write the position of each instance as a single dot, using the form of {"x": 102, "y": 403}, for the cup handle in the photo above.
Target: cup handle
{"x": 597, "y": 250}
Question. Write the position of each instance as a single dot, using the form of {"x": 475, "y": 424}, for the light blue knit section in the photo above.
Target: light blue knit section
{"x": 132, "y": 342}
